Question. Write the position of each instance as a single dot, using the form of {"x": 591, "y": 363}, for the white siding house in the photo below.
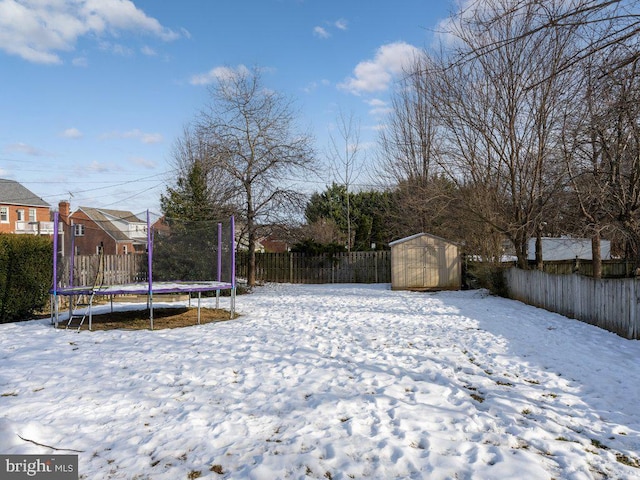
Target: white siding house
{"x": 566, "y": 248}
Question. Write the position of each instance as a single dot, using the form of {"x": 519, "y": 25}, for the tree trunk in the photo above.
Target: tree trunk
{"x": 251, "y": 268}
{"x": 596, "y": 257}
{"x": 521, "y": 251}
{"x": 251, "y": 238}
{"x": 539, "y": 259}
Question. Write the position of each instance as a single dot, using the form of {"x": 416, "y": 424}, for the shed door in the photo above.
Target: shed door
{"x": 422, "y": 266}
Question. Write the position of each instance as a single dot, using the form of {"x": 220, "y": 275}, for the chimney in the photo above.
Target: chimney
{"x": 63, "y": 210}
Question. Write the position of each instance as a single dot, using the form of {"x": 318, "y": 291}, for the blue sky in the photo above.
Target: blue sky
{"x": 94, "y": 93}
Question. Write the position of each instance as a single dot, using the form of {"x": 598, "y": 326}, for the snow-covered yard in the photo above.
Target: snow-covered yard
{"x": 331, "y": 382}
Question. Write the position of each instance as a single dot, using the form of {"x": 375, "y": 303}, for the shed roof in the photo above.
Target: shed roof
{"x": 418, "y": 235}
{"x": 13, "y": 193}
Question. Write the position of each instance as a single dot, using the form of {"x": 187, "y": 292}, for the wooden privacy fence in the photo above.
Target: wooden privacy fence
{"x": 610, "y": 268}
{"x": 611, "y": 304}
{"x": 354, "y": 267}
{"x": 116, "y": 269}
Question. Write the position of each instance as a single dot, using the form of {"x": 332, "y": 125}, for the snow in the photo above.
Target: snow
{"x": 331, "y": 382}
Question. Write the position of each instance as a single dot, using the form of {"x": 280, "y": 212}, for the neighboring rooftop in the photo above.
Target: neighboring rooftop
{"x": 13, "y": 193}
{"x": 105, "y": 217}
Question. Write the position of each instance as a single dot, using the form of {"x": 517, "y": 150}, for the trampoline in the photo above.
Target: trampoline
{"x": 148, "y": 288}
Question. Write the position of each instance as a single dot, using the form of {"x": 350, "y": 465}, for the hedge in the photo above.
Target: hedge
{"x": 25, "y": 275}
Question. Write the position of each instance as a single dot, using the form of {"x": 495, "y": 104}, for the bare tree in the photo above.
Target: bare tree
{"x": 499, "y": 113}
{"x": 602, "y": 23}
{"x": 253, "y": 138}
{"x": 344, "y": 153}
{"x": 603, "y": 154}
{"x": 191, "y": 153}
{"x": 408, "y": 163}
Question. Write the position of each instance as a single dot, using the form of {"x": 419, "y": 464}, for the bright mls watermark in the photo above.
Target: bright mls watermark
{"x": 39, "y": 467}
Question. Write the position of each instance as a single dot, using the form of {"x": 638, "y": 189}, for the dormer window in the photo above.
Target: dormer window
{"x": 78, "y": 230}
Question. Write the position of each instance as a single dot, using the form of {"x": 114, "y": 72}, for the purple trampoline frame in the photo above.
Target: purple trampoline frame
{"x": 146, "y": 288}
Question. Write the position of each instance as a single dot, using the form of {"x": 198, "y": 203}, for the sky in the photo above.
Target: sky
{"x": 330, "y": 382}
{"x": 95, "y": 93}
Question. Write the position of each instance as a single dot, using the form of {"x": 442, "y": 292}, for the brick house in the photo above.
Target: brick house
{"x": 22, "y": 211}
{"x": 92, "y": 229}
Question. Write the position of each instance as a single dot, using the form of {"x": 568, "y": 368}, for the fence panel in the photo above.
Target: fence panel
{"x": 354, "y": 267}
{"x": 611, "y": 304}
{"x": 115, "y": 269}
{"x": 610, "y": 268}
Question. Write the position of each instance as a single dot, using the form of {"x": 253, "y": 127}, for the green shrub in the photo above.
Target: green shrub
{"x": 25, "y": 275}
{"x": 487, "y": 275}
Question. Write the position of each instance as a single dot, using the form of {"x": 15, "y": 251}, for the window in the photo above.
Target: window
{"x": 98, "y": 249}
{"x": 20, "y": 213}
{"x": 32, "y": 215}
{"x": 124, "y": 249}
{"x": 4, "y": 214}
{"x": 78, "y": 230}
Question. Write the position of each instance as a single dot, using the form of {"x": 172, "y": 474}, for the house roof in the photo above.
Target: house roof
{"x": 102, "y": 217}
{"x": 13, "y": 193}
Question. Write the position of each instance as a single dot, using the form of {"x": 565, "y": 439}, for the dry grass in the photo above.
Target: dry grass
{"x": 175, "y": 317}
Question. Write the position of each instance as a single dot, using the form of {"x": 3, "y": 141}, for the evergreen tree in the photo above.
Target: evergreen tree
{"x": 186, "y": 250}
{"x": 367, "y": 212}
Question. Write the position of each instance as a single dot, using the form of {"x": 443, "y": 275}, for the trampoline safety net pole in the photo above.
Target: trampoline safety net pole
{"x": 233, "y": 266}
{"x": 219, "y": 272}
{"x": 150, "y": 269}
{"x": 54, "y": 289}
{"x": 72, "y": 254}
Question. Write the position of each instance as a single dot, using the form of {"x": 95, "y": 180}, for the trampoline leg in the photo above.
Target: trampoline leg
{"x": 54, "y": 317}
{"x": 232, "y": 300}
{"x": 90, "y": 312}
{"x": 150, "y": 303}
{"x": 199, "y": 296}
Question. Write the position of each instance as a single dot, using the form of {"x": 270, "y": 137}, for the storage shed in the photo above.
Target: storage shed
{"x": 425, "y": 262}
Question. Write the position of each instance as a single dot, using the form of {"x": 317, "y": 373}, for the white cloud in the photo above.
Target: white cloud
{"x": 98, "y": 167}
{"x": 80, "y": 62}
{"x": 116, "y": 48}
{"x": 378, "y": 107}
{"x": 37, "y": 30}
{"x": 447, "y": 31}
{"x": 25, "y": 149}
{"x": 143, "y": 162}
{"x": 151, "y": 138}
{"x": 321, "y": 32}
{"x": 147, "y": 50}
{"x": 341, "y": 24}
{"x": 217, "y": 73}
{"x": 310, "y": 87}
{"x": 71, "y": 133}
{"x": 313, "y": 86}
{"x": 375, "y": 75}
{"x": 135, "y": 134}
